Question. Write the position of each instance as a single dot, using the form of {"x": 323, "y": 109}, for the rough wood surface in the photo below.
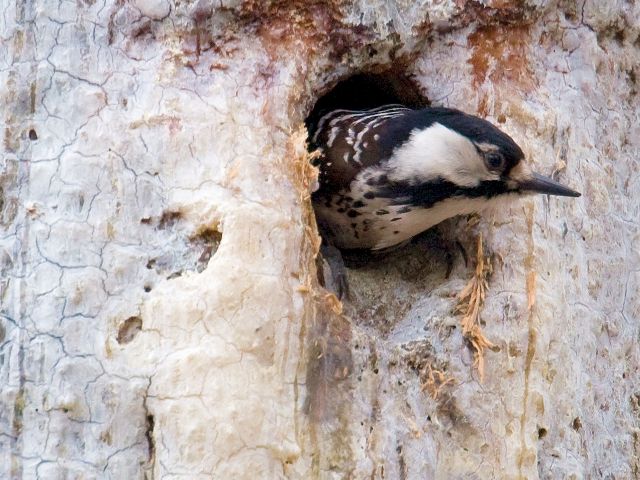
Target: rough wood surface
{"x": 160, "y": 312}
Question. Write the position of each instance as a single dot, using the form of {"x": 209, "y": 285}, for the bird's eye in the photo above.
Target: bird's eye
{"x": 494, "y": 161}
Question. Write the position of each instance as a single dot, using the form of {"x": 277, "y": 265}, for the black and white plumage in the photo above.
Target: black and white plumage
{"x": 389, "y": 173}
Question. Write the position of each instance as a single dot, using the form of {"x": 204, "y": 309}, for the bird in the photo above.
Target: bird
{"x": 391, "y": 172}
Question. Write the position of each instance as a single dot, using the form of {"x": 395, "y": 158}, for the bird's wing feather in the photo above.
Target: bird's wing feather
{"x": 351, "y": 141}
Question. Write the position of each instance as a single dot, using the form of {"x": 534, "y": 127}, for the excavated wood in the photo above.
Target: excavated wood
{"x": 160, "y": 311}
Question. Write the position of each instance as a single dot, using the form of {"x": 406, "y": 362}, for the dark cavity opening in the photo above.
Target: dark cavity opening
{"x": 369, "y": 90}
{"x": 385, "y": 285}
{"x": 129, "y": 329}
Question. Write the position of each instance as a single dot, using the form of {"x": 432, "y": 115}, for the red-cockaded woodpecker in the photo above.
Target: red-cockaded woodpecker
{"x": 389, "y": 173}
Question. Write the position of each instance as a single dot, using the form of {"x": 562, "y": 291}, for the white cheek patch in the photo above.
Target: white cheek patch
{"x": 439, "y": 152}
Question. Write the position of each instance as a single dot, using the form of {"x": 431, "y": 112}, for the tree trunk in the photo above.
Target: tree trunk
{"x": 161, "y": 314}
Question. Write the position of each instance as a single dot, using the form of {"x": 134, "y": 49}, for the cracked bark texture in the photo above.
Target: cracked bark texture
{"x": 136, "y": 341}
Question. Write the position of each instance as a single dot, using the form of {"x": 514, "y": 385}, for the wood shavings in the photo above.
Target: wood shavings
{"x": 435, "y": 381}
{"x": 470, "y": 301}
{"x": 333, "y": 302}
{"x": 421, "y": 360}
{"x": 304, "y": 176}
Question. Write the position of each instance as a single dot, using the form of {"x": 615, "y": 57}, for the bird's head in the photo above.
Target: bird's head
{"x": 470, "y": 154}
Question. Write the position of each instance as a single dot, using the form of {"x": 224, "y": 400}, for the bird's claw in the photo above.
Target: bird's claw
{"x": 338, "y": 280}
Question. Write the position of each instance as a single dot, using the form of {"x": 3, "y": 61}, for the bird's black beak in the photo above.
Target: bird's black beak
{"x": 541, "y": 184}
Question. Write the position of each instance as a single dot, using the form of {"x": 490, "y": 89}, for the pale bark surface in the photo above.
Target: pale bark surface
{"x": 160, "y": 311}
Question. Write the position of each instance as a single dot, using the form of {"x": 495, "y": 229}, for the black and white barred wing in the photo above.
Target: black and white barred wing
{"x": 351, "y": 141}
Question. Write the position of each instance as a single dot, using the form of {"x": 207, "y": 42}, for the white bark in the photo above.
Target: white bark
{"x": 133, "y": 132}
